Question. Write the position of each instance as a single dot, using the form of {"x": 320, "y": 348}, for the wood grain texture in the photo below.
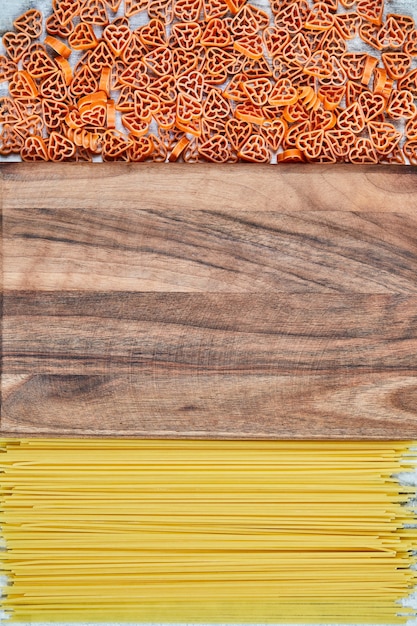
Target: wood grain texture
{"x": 183, "y": 250}
{"x": 209, "y": 302}
{"x": 123, "y": 332}
{"x": 198, "y": 405}
{"x": 206, "y": 187}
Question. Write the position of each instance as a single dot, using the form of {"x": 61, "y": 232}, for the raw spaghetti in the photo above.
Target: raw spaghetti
{"x": 206, "y": 531}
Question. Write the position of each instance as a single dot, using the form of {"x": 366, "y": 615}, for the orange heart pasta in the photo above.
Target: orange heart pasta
{"x": 196, "y": 77}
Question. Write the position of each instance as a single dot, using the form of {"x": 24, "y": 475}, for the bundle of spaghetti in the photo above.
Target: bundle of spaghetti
{"x": 207, "y": 531}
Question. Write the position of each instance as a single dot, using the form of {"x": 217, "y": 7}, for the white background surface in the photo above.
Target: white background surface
{"x": 10, "y": 9}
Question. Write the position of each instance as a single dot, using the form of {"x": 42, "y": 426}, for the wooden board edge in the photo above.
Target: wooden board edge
{"x": 208, "y": 186}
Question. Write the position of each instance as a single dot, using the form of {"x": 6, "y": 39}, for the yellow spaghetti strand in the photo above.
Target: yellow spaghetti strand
{"x": 207, "y": 531}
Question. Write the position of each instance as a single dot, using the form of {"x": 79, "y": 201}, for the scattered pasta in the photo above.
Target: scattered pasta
{"x": 211, "y": 80}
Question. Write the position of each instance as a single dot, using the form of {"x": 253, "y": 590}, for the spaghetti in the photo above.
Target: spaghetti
{"x": 206, "y": 531}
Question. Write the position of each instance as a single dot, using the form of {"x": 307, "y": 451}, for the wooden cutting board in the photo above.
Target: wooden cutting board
{"x": 209, "y": 301}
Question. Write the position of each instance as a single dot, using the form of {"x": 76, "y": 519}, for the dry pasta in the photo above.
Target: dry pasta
{"x": 206, "y": 531}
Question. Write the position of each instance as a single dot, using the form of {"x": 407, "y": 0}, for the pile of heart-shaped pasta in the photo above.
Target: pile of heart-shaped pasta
{"x": 211, "y": 80}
